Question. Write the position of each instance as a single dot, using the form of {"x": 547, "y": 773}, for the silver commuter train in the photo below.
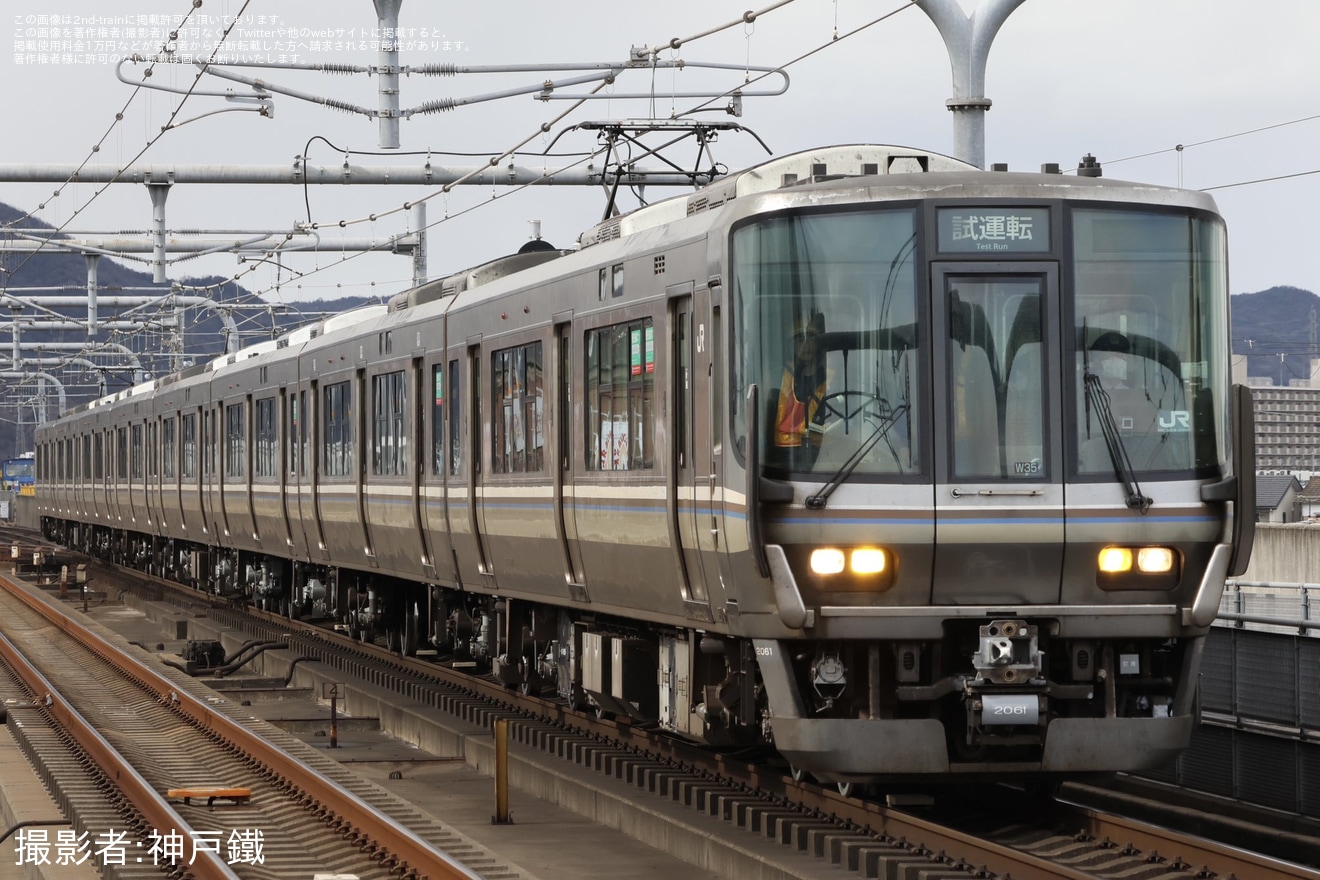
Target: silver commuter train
{"x": 903, "y": 467}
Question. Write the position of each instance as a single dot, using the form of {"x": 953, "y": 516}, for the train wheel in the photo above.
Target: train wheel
{"x": 411, "y": 636}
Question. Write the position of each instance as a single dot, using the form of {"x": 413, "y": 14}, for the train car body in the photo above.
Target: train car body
{"x": 905, "y": 468}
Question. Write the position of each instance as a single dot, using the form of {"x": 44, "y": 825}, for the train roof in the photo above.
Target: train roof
{"x": 493, "y": 270}
{"x": 1031, "y": 185}
{"x": 827, "y": 163}
{"x": 301, "y": 335}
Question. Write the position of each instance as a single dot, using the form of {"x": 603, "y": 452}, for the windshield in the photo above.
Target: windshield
{"x": 826, "y": 317}
{"x": 1150, "y": 301}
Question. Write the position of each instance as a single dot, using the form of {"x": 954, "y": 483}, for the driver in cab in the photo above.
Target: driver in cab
{"x": 799, "y": 416}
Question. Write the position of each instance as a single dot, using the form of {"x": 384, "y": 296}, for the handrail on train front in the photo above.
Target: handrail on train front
{"x": 754, "y": 539}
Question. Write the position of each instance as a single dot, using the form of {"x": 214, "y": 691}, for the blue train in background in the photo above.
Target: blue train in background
{"x": 19, "y": 475}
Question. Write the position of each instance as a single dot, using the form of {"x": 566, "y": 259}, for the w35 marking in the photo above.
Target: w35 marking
{"x": 1027, "y": 467}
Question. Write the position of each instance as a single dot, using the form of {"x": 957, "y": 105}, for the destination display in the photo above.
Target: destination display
{"x": 994, "y": 230}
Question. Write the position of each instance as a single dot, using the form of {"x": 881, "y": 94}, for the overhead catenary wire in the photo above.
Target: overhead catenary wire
{"x": 546, "y": 127}
{"x": 743, "y": 20}
{"x": 166, "y": 128}
{"x": 1180, "y": 148}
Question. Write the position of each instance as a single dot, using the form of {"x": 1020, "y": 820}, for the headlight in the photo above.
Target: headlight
{"x": 868, "y": 560}
{"x": 1137, "y": 568}
{"x": 827, "y": 560}
{"x": 1155, "y": 560}
{"x": 1115, "y": 560}
{"x": 850, "y": 569}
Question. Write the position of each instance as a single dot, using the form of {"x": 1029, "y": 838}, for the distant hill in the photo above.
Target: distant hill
{"x": 1279, "y": 321}
{"x": 203, "y": 333}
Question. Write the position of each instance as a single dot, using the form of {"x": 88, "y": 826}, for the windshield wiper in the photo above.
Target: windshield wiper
{"x": 1098, "y": 399}
{"x": 817, "y": 501}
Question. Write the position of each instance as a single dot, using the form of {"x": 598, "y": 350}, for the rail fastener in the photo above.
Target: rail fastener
{"x": 235, "y": 795}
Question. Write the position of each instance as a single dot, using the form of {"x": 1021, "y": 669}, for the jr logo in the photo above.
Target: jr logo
{"x": 1175, "y": 421}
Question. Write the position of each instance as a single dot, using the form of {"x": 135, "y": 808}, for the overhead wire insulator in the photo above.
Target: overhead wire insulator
{"x": 435, "y": 69}
{"x": 441, "y": 106}
{"x": 341, "y": 105}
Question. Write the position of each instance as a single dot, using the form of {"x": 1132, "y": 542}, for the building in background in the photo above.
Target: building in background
{"x": 1287, "y": 423}
{"x": 1278, "y": 498}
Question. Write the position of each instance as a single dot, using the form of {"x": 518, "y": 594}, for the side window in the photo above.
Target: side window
{"x": 168, "y": 443}
{"x": 455, "y": 421}
{"x": 390, "y": 425}
{"x": 121, "y": 454}
{"x": 189, "y": 432}
{"x": 295, "y": 434}
{"x": 267, "y": 439}
{"x": 437, "y": 418}
{"x": 136, "y": 451}
{"x": 337, "y": 429}
{"x": 235, "y": 439}
{"x": 620, "y": 383}
{"x": 209, "y": 442}
{"x": 517, "y": 395}
{"x": 304, "y": 428}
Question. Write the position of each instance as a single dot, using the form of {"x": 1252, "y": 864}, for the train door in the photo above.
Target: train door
{"x": 120, "y": 494}
{"x": 82, "y": 477}
{"x": 421, "y": 381}
{"x": 248, "y": 463}
{"x": 464, "y": 501}
{"x": 170, "y": 473}
{"x": 999, "y": 480}
{"x": 727, "y": 508}
{"x": 446, "y": 461}
{"x": 315, "y": 424}
{"x": 190, "y": 428}
{"x": 362, "y": 455}
{"x": 155, "y": 491}
{"x": 689, "y": 494}
{"x": 101, "y": 474}
{"x": 137, "y": 484}
{"x": 302, "y": 509}
{"x": 86, "y": 488}
{"x": 285, "y": 458}
{"x": 214, "y": 469}
{"x": 562, "y": 414}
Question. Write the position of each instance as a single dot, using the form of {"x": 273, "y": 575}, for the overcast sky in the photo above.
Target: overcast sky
{"x": 1118, "y": 79}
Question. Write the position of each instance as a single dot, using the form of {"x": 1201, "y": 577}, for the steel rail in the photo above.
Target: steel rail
{"x": 140, "y": 793}
{"x": 1225, "y": 861}
{"x": 382, "y": 830}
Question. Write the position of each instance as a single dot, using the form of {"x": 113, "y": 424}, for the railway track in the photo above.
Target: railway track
{"x": 870, "y": 838}
{"x": 300, "y": 814}
{"x": 1057, "y": 839}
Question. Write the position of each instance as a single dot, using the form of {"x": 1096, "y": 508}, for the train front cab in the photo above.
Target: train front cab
{"x": 1002, "y": 541}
